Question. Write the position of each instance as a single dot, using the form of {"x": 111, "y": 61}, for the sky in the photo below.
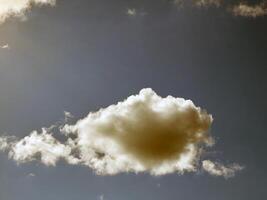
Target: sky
{"x": 60, "y": 60}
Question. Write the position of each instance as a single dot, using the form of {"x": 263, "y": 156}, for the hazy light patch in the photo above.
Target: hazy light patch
{"x": 101, "y": 197}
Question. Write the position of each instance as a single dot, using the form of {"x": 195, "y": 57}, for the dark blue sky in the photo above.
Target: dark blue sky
{"x": 84, "y": 55}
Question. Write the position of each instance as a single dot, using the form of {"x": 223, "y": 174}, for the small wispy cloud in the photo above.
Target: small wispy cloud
{"x": 199, "y": 3}
{"x": 4, "y": 143}
{"x": 31, "y": 175}
{"x": 218, "y": 169}
{"x": 144, "y": 133}
{"x": 5, "y": 46}
{"x": 67, "y": 116}
{"x": 206, "y": 3}
{"x": 132, "y": 12}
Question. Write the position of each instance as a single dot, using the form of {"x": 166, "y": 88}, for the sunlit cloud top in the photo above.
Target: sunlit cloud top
{"x": 17, "y": 8}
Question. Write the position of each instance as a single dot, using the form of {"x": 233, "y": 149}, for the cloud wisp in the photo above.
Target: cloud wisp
{"x": 246, "y": 10}
{"x": 17, "y": 8}
{"x": 132, "y": 12}
{"x": 5, "y": 46}
{"x": 144, "y": 133}
{"x": 199, "y": 3}
{"x": 238, "y": 8}
{"x": 218, "y": 169}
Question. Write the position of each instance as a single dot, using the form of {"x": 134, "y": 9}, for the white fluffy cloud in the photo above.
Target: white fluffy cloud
{"x": 17, "y": 8}
{"x": 144, "y": 133}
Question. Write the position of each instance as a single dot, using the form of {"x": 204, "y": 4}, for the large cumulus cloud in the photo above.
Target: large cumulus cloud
{"x": 144, "y": 133}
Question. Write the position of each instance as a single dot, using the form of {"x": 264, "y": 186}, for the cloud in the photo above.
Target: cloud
{"x": 144, "y": 133}
{"x": 17, "y": 8}
{"x": 31, "y": 175}
{"x": 4, "y": 144}
{"x": 239, "y": 8}
{"x": 246, "y": 10}
{"x": 217, "y": 169}
{"x": 131, "y": 12}
{"x": 6, "y": 46}
{"x": 199, "y": 3}
{"x": 40, "y": 146}
{"x": 206, "y": 3}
